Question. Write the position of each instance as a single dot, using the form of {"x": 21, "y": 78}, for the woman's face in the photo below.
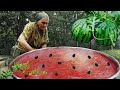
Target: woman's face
{"x": 43, "y": 23}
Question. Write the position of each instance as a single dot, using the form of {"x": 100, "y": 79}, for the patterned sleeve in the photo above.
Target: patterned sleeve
{"x": 27, "y": 31}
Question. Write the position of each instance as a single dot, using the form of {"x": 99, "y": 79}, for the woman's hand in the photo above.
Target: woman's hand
{"x": 24, "y": 43}
{"x": 44, "y": 46}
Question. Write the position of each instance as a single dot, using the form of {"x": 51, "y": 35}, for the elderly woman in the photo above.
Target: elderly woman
{"x": 34, "y": 35}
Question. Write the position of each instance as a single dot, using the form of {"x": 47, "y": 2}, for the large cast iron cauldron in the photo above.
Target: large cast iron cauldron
{"x": 65, "y": 63}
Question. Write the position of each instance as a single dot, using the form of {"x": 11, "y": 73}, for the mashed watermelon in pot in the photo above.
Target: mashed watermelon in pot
{"x": 64, "y": 63}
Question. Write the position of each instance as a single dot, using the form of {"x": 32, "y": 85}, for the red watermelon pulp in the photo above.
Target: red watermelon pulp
{"x": 64, "y": 63}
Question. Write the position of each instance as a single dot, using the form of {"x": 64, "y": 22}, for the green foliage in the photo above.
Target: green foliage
{"x": 116, "y": 16}
{"x": 103, "y": 27}
{"x": 21, "y": 66}
{"x": 81, "y": 31}
{"x": 35, "y": 72}
{"x": 17, "y": 67}
{"x": 6, "y": 74}
{"x": 106, "y": 33}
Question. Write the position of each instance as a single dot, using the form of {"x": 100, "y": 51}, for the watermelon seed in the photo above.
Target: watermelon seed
{"x": 50, "y": 55}
{"x": 43, "y": 66}
{"x": 108, "y": 64}
{"x": 59, "y": 62}
{"x": 56, "y": 74}
{"x": 73, "y": 67}
{"x": 88, "y": 72}
{"x": 26, "y": 75}
{"x": 96, "y": 64}
{"x": 89, "y": 57}
{"x": 73, "y": 55}
{"x": 36, "y": 57}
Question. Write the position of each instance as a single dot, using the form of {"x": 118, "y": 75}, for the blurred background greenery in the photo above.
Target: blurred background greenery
{"x": 13, "y": 22}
